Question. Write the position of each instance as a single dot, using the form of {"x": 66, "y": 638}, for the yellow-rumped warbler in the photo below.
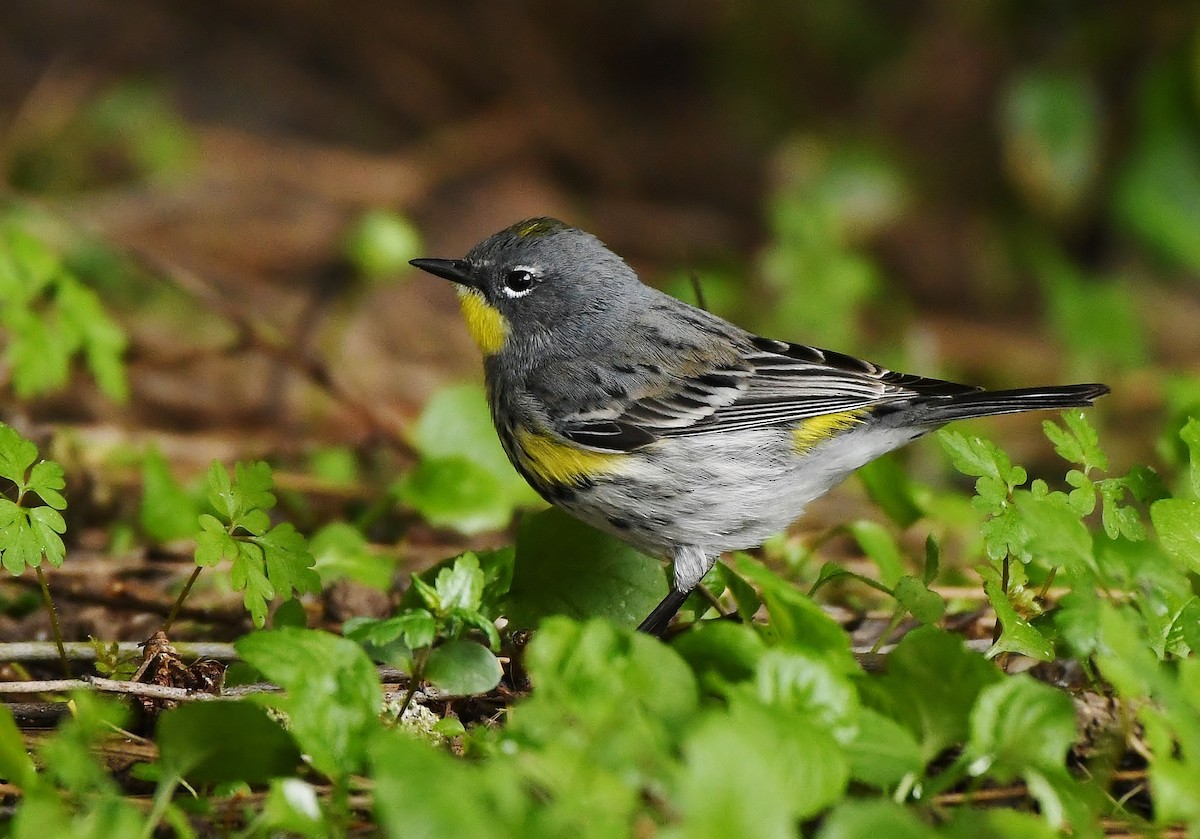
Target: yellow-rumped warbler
{"x": 667, "y": 426}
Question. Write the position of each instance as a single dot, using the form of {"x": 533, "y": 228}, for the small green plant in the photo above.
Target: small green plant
{"x": 48, "y": 317}
{"x": 266, "y": 561}
{"x": 31, "y": 532}
{"x": 428, "y": 640}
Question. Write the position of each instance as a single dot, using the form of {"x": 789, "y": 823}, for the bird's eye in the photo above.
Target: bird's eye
{"x": 519, "y": 282}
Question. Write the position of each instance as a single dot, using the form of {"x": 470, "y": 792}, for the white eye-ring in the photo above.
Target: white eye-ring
{"x": 520, "y": 281}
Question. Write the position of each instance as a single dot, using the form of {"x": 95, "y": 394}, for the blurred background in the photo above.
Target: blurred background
{"x": 998, "y": 191}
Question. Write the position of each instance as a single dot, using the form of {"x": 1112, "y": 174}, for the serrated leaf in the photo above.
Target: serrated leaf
{"x": 16, "y": 456}
{"x": 288, "y": 562}
{"x": 46, "y": 479}
{"x": 463, "y": 668}
{"x": 981, "y": 458}
{"x": 415, "y": 627}
{"x": 253, "y": 483}
{"x": 461, "y": 585}
{"x": 46, "y": 525}
{"x": 102, "y": 341}
{"x": 1076, "y": 441}
{"x": 248, "y": 576}
{"x": 1053, "y": 532}
{"x": 213, "y": 544}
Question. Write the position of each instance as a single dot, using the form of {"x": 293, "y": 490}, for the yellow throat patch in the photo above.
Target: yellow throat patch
{"x": 824, "y": 427}
{"x": 556, "y": 463}
{"x": 486, "y": 325}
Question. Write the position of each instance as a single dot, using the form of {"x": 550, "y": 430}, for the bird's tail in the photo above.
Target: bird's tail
{"x": 984, "y": 403}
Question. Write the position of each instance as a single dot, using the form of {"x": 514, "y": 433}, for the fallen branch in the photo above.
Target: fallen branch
{"x": 85, "y": 651}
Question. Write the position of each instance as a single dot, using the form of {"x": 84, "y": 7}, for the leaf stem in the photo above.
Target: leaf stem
{"x": 414, "y": 680}
{"x": 54, "y": 626}
{"x": 187, "y": 587}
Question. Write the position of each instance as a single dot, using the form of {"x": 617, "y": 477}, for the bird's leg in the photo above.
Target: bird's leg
{"x": 689, "y": 566}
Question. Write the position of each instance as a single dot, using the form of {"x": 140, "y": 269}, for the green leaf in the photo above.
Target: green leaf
{"x": 933, "y": 555}
{"x": 46, "y": 525}
{"x": 883, "y": 751}
{"x": 795, "y": 618}
{"x": 461, "y": 585}
{"x": 168, "y": 512}
{"x": 1053, "y": 532}
{"x": 592, "y": 673}
{"x": 455, "y": 493}
{"x": 456, "y": 423}
{"x": 463, "y": 668}
{"x": 890, "y": 488}
{"x": 1076, "y": 441}
{"x": 721, "y": 653}
{"x": 810, "y": 685}
{"x": 1190, "y": 434}
{"x": 755, "y": 771}
{"x": 215, "y": 742}
{"x": 16, "y": 456}
{"x": 565, "y": 567}
{"x": 332, "y": 693}
{"x": 381, "y": 243}
{"x": 340, "y": 551}
{"x": 46, "y": 479}
{"x": 982, "y": 459}
{"x": 925, "y": 605}
{"x": 1177, "y": 523}
{"x": 247, "y": 575}
{"x": 1017, "y": 635}
{"x": 930, "y": 685}
{"x": 853, "y": 819}
{"x": 252, "y": 487}
{"x": 1020, "y": 724}
{"x": 421, "y": 792}
{"x": 998, "y": 824}
{"x": 288, "y": 562}
{"x": 16, "y": 766}
{"x": 415, "y": 627}
{"x": 880, "y": 546}
{"x": 213, "y": 544}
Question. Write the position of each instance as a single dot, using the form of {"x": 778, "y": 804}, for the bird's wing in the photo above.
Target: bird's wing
{"x": 774, "y": 384}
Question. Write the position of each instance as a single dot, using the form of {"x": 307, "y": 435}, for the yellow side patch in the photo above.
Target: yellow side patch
{"x": 817, "y": 429}
{"x": 486, "y": 325}
{"x": 553, "y": 462}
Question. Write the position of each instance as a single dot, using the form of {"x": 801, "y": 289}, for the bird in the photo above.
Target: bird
{"x": 667, "y": 426}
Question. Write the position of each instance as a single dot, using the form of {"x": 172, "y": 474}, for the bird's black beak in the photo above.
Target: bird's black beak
{"x": 454, "y": 270}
